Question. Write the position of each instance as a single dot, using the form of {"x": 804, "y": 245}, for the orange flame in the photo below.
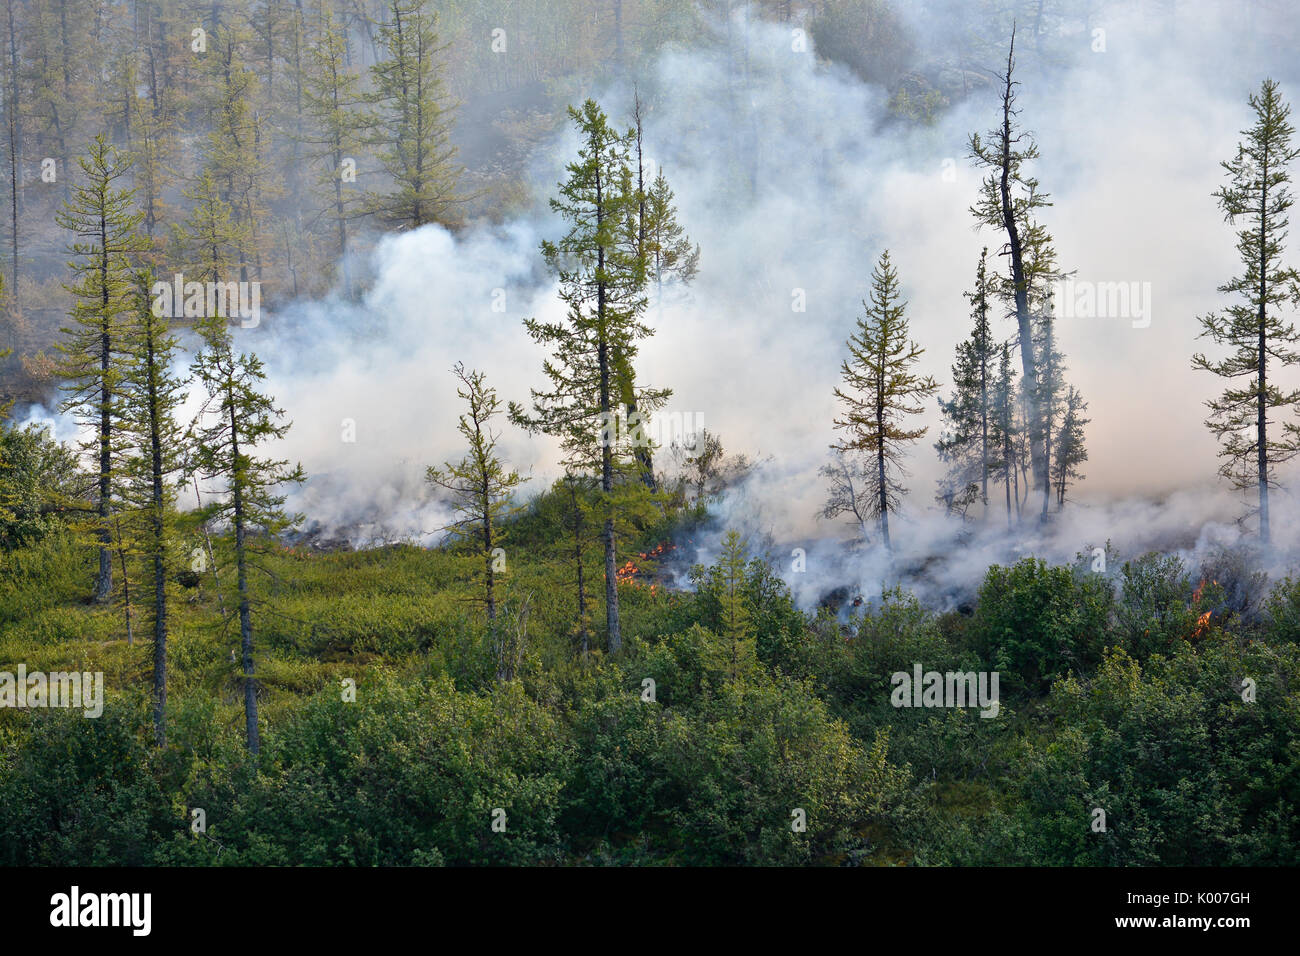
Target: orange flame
{"x": 1202, "y": 624}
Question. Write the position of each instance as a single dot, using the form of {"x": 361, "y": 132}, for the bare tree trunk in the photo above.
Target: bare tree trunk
{"x": 126, "y": 585}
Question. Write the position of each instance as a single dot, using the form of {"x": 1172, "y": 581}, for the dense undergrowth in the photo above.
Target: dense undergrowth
{"x": 1117, "y": 693}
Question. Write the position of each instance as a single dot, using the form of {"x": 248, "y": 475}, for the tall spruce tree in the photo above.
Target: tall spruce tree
{"x": 234, "y": 420}
{"x": 1257, "y": 193}
{"x": 103, "y": 221}
{"x": 602, "y": 284}
{"x": 480, "y": 487}
{"x": 879, "y": 389}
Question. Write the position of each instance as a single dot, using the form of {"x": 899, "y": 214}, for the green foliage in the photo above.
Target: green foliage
{"x": 1282, "y": 611}
{"x": 1252, "y": 327}
{"x": 1155, "y": 608}
{"x": 481, "y": 489}
{"x": 880, "y": 389}
{"x": 412, "y": 127}
{"x": 1036, "y": 622}
{"x": 706, "y": 772}
{"x": 38, "y": 476}
{"x": 867, "y": 36}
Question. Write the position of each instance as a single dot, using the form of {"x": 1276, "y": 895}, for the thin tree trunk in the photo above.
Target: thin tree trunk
{"x": 884, "y": 488}
{"x": 159, "y": 552}
{"x": 104, "y": 584}
{"x": 577, "y": 561}
{"x": 1261, "y": 407}
{"x": 126, "y": 586}
{"x": 245, "y": 614}
{"x": 606, "y": 451}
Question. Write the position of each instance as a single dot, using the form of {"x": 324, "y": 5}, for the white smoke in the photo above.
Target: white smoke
{"x": 793, "y": 177}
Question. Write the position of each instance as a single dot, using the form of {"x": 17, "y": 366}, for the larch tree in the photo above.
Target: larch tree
{"x": 1003, "y": 427}
{"x": 965, "y": 442}
{"x": 1049, "y": 395}
{"x": 1071, "y": 451}
{"x": 238, "y": 146}
{"x": 233, "y": 421}
{"x": 666, "y": 253}
{"x": 602, "y": 284}
{"x": 726, "y": 584}
{"x": 480, "y": 487}
{"x": 208, "y": 242}
{"x": 102, "y": 219}
{"x": 574, "y": 493}
{"x": 13, "y": 105}
{"x": 1008, "y": 200}
{"x": 1257, "y": 195}
{"x": 412, "y": 127}
{"x": 332, "y": 97}
{"x": 151, "y": 395}
{"x": 662, "y": 240}
{"x": 880, "y": 388}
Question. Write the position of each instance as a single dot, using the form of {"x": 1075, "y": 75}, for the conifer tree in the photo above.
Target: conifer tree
{"x": 13, "y": 104}
{"x": 1003, "y": 429}
{"x": 1071, "y": 452}
{"x": 232, "y": 422}
{"x": 965, "y": 446}
{"x": 238, "y": 146}
{"x": 602, "y": 281}
{"x": 727, "y": 581}
{"x": 102, "y": 219}
{"x": 151, "y": 395}
{"x": 152, "y": 149}
{"x": 331, "y": 98}
{"x": 665, "y": 252}
{"x": 209, "y": 240}
{"x": 662, "y": 241}
{"x": 1009, "y": 198}
{"x": 480, "y": 487}
{"x": 879, "y": 389}
{"x": 1051, "y": 385}
{"x": 412, "y": 128}
{"x": 1258, "y": 193}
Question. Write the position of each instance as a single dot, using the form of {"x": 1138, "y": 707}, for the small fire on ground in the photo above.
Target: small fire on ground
{"x": 634, "y": 574}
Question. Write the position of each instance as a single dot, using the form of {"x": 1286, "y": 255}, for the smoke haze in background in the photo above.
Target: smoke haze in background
{"x": 793, "y": 175}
